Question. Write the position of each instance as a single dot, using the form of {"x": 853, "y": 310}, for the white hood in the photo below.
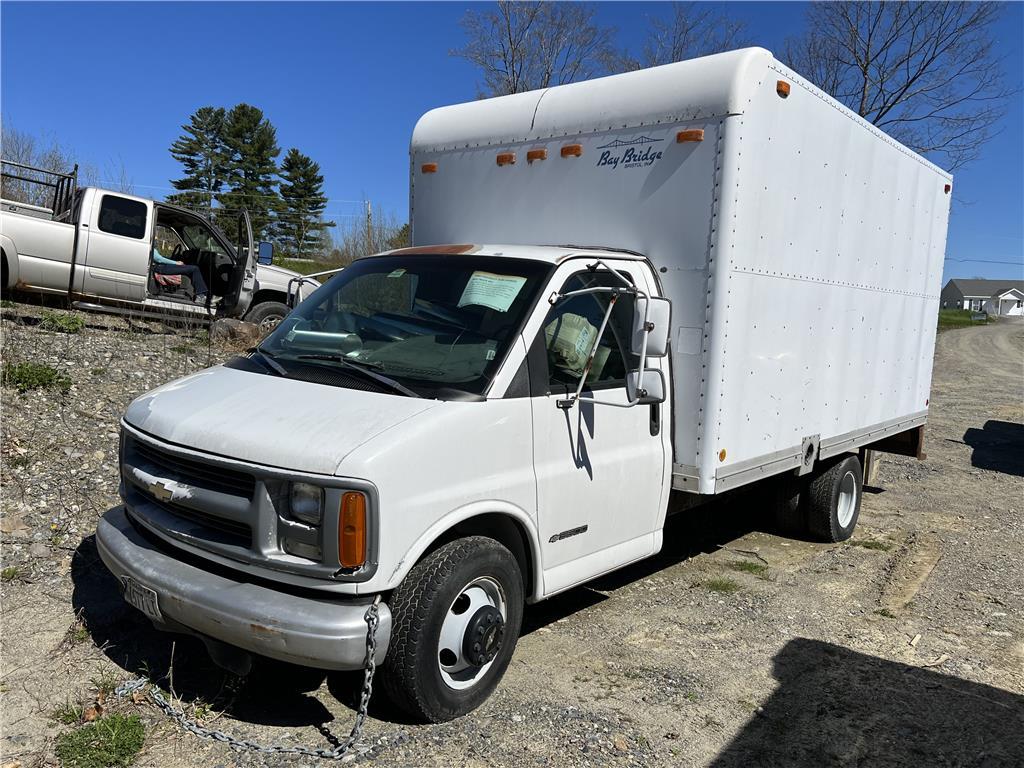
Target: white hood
{"x": 267, "y": 419}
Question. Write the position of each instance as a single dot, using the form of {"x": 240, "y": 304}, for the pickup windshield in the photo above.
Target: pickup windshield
{"x": 429, "y": 322}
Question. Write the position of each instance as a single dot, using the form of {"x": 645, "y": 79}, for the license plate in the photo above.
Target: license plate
{"x": 143, "y": 598}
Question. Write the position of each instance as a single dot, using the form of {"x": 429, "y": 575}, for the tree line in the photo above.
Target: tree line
{"x": 229, "y": 162}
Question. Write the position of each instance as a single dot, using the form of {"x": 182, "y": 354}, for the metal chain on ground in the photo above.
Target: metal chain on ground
{"x": 372, "y": 620}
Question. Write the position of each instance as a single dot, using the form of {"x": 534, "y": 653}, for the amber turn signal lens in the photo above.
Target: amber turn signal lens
{"x": 782, "y": 88}
{"x": 536, "y": 154}
{"x": 352, "y": 530}
{"x": 506, "y": 158}
{"x": 693, "y": 134}
{"x": 428, "y": 168}
{"x": 572, "y": 150}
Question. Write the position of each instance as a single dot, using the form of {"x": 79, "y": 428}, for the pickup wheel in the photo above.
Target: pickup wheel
{"x": 833, "y": 497}
{"x": 455, "y": 622}
{"x": 267, "y": 315}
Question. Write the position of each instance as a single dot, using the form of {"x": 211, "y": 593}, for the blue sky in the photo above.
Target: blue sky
{"x": 345, "y": 83}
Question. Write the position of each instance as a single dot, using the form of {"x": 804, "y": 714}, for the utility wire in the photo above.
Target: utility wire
{"x": 987, "y": 261}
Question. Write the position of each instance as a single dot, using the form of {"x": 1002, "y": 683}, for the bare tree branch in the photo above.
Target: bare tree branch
{"x": 692, "y": 30}
{"x": 924, "y": 72}
{"x": 522, "y": 46}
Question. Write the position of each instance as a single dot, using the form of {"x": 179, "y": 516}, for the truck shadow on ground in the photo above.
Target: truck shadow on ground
{"x": 998, "y": 446}
{"x": 834, "y": 706}
{"x": 281, "y": 694}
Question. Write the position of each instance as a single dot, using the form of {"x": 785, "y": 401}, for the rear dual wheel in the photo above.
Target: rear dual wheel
{"x": 825, "y": 506}
{"x": 455, "y": 622}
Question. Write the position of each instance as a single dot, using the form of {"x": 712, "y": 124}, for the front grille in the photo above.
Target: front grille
{"x": 237, "y": 533}
{"x": 191, "y": 472}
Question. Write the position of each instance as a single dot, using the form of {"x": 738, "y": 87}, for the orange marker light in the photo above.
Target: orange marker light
{"x": 782, "y": 88}
{"x": 721, "y": 455}
{"x": 506, "y": 158}
{"x": 428, "y": 168}
{"x": 693, "y": 134}
{"x": 572, "y": 150}
{"x": 352, "y": 530}
{"x": 536, "y": 154}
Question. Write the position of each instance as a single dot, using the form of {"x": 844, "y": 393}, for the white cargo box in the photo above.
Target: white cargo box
{"x": 802, "y": 248}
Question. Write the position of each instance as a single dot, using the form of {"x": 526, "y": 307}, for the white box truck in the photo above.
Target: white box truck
{"x": 510, "y": 407}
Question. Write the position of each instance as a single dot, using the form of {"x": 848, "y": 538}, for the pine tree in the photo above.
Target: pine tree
{"x": 203, "y": 156}
{"x": 300, "y": 223}
{"x": 251, "y": 142}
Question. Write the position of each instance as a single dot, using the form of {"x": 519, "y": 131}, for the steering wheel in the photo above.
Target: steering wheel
{"x": 176, "y": 253}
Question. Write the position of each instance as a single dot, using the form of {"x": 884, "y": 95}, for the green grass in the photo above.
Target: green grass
{"x": 886, "y": 613}
{"x": 10, "y": 573}
{"x": 61, "y": 322}
{"x": 7, "y": 304}
{"x": 105, "y": 682}
{"x": 305, "y": 267}
{"x": 959, "y": 318}
{"x": 748, "y": 566}
{"x": 878, "y": 546}
{"x": 112, "y": 742}
{"x": 26, "y": 376}
{"x": 67, "y": 713}
{"x": 724, "y": 585}
{"x": 98, "y": 371}
{"x": 181, "y": 349}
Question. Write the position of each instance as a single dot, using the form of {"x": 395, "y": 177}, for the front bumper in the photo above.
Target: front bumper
{"x": 327, "y": 633}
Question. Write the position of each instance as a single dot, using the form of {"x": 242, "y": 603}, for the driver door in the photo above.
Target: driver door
{"x": 601, "y": 471}
{"x": 243, "y": 283}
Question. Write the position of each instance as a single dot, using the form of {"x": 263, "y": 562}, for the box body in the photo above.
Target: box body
{"x": 802, "y": 248}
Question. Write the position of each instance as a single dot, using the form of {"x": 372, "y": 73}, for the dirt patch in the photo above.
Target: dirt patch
{"x": 906, "y": 652}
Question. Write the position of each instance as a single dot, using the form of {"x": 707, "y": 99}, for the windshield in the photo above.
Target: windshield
{"x": 425, "y": 321}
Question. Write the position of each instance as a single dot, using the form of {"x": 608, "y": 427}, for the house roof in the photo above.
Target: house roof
{"x": 1003, "y": 292}
{"x": 983, "y": 289}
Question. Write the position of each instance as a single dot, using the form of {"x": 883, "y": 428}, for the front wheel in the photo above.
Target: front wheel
{"x": 455, "y": 622}
{"x": 267, "y": 315}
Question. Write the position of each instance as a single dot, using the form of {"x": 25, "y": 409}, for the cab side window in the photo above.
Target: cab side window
{"x": 120, "y": 216}
{"x": 572, "y": 325}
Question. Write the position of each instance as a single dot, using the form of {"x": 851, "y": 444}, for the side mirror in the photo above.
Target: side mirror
{"x": 265, "y": 254}
{"x": 659, "y": 318}
{"x": 648, "y": 389}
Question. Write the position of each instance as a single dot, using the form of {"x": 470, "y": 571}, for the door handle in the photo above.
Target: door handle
{"x": 655, "y": 419}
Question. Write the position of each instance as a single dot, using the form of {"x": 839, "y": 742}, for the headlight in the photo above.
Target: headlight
{"x": 306, "y": 503}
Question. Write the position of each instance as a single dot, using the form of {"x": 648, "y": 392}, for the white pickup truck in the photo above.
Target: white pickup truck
{"x": 95, "y": 246}
{"x": 625, "y": 297}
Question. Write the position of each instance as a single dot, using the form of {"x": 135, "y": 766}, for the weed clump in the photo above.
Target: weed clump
{"x": 754, "y": 569}
{"x": 27, "y": 376}
{"x": 112, "y": 742}
{"x": 61, "y": 323}
{"x": 723, "y": 585}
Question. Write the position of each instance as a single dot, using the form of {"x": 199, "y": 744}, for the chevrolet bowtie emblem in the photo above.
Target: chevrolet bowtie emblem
{"x": 160, "y": 491}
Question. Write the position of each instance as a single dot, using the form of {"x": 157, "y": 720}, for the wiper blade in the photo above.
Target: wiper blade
{"x": 269, "y": 357}
{"x": 365, "y": 369}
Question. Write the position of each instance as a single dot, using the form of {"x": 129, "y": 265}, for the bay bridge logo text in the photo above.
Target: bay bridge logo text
{"x": 636, "y": 153}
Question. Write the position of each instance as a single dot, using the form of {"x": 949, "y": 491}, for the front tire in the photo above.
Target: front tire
{"x": 267, "y": 315}
{"x": 834, "y": 498}
{"x": 455, "y": 622}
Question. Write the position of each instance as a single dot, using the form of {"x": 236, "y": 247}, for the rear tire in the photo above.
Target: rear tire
{"x": 267, "y": 315}
{"x": 833, "y": 500}
{"x": 790, "y": 514}
{"x": 431, "y": 639}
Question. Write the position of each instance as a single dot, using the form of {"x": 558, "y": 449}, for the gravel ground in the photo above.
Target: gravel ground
{"x": 904, "y": 647}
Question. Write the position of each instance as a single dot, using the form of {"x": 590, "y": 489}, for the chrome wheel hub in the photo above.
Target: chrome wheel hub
{"x": 472, "y": 633}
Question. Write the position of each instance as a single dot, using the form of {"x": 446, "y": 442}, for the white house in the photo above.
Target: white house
{"x": 996, "y": 297}
{"x": 1009, "y": 302}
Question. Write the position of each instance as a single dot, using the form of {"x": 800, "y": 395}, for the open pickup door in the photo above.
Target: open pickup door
{"x": 245, "y": 274}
